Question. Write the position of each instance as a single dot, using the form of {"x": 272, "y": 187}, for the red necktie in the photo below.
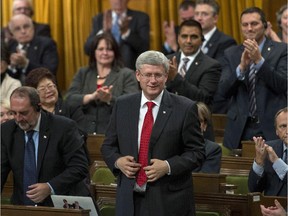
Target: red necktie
{"x": 144, "y": 143}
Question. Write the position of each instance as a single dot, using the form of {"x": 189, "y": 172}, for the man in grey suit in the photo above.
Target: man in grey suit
{"x": 61, "y": 164}
{"x": 176, "y": 145}
{"x": 254, "y": 78}
{"x": 132, "y": 30}
{"x": 269, "y": 171}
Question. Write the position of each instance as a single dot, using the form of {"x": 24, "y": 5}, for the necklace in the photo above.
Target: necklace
{"x": 104, "y": 77}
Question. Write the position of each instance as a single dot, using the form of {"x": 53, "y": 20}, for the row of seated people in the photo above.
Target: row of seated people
{"x": 201, "y": 79}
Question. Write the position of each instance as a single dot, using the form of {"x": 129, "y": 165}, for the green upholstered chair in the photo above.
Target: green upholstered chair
{"x": 103, "y": 175}
{"x": 5, "y": 200}
{"x": 107, "y": 210}
{"x": 240, "y": 181}
{"x": 204, "y": 213}
{"x": 225, "y": 151}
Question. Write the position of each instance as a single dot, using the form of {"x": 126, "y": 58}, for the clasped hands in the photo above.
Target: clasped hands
{"x": 123, "y": 22}
{"x": 129, "y": 167}
{"x": 38, "y": 192}
{"x": 250, "y": 55}
{"x": 262, "y": 149}
{"x": 19, "y": 59}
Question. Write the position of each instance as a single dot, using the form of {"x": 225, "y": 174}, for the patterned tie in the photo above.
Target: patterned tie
{"x": 251, "y": 88}
{"x": 183, "y": 69}
{"x": 116, "y": 29}
{"x": 29, "y": 177}
{"x": 144, "y": 143}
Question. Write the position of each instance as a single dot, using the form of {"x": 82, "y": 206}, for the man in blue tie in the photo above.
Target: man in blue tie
{"x": 44, "y": 151}
{"x": 269, "y": 171}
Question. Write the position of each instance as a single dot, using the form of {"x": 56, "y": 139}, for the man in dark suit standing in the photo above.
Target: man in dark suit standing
{"x": 29, "y": 51}
{"x": 130, "y": 28}
{"x": 175, "y": 148}
{"x": 254, "y": 78}
{"x": 61, "y": 163}
{"x": 269, "y": 171}
{"x": 202, "y": 74}
{"x": 25, "y": 7}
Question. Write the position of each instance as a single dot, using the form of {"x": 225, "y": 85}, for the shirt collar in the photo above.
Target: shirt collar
{"x": 157, "y": 100}
{"x": 209, "y": 34}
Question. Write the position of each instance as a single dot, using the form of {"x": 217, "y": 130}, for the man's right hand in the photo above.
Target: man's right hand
{"x": 128, "y": 166}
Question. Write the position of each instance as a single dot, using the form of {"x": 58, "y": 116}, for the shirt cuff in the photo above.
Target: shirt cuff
{"x": 258, "y": 169}
{"x": 169, "y": 169}
{"x": 281, "y": 168}
{"x": 52, "y": 190}
{"x": 240, "y": 76}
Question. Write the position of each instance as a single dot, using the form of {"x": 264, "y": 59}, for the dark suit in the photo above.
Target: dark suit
{"x": 217, "y": 44}
{"x": 61, "y": 159}
{"x": 175, "y": 137}
{"x": 271, "y": 91}
{"x": 269, "y": 183}
{"x": 97, "y": 112}
{"x": 212, "y": 163}
{"x": 200, "y": 82}
{"x": 42, "y": 52}
{"x": 137, "y": 42}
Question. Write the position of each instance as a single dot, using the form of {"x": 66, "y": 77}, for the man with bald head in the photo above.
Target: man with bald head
{"x": 25, "y": 7}
{"x": 29, "y": 51}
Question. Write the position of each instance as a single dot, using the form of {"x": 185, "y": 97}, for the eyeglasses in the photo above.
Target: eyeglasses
{"x": 157, "y": 76}
{"x": 42, "y": 89}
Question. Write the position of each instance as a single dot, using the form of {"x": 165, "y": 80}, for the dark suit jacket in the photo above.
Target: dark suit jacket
{"x": 269, "y": 183}
{"x": 61, "y": 158}
{"x": 137, "y": 42}
{"x": 212, "y": 163}
{"x": 271, "y": 91}
{"x": 175, "y": 137}
{"x": 42, "y": 52}
{"x": 201, "y": 79}
{"x": 98, "y": 113}
{"x": 217, "y": 44}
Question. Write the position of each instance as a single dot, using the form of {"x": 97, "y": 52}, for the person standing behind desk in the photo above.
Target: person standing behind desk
{"x": 60, "y": 164}
{"x": 130, "y": 28}
{"x": 97, "y": 86}
{"x": 156, "y": 182}
{"x": 269, "y": 171}
{"x": 255, "y": 71}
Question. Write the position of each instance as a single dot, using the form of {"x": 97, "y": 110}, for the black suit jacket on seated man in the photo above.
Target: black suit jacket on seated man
{"x": 61, "y": 158}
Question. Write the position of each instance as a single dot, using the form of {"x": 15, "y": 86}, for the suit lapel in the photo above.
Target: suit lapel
{"x": 192, "y": 70}
{"x": 164, "y": 113}
{"x": 43, "y": 140}
{"x": 267, "y": 48}
{"x": 19, "y": 143}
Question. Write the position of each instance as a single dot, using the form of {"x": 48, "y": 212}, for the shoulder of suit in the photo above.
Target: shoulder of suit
{"x": 136, "y": 12}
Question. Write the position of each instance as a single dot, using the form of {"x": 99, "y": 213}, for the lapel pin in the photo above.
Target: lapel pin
{"x": 35, "y": 48}
{"x": 164, "y": 112}
{"x": 196, "y": 63}
{"x": 269, "y": 49}
{"x": 45, "y": 137}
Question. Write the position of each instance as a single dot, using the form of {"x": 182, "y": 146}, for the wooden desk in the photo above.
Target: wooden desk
{"x": 219, "y": 124}
{"x": 255, "y": 199}
{"x": 16, "y": 210}
{"x": 94, "y": 143}
{"x": 242, "y": 163}
{"x": 248, "y": 149}
{"x": 208, "y": 183}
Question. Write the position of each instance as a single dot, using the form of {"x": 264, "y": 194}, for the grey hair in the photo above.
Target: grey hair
{"x": 152, "y": 57}
{"x": 15, "y": 17}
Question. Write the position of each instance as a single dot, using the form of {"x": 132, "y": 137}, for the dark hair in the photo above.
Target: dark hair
{"x": 5, "y": 54}
{"x": 279, "y": 15}
{"x": 256, "y": 10}
{"x": 191, "y": 23}
{"x": 285, "y": 110}
{"x": 36, "y": 75}
{"x": 28, "y": 92}
{"x": 212, "y": 3}
{"x": 184, "y": 5}
{"x": 111, "y": 43}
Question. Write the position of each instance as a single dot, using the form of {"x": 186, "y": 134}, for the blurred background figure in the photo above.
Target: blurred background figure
{"x": 5, "y": 112}
{"x": 96, "y": 86}
{"x": 213, "y": 151}
{"x": 8, "y": 84}
{"x": 29, "y": 51}
{"x": 282, "y": 21}
{"x": 45, "y": 83}
{"x": 130, "y": 28}
{"x": 25, "y": 7}
{"x": 185, "y": 12}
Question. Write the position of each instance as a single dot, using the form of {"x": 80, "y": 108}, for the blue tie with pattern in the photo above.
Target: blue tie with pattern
{"x": 29, "y": 177}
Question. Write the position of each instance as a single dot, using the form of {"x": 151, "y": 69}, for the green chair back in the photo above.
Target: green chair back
{"x": 103, "y": 175}
{"x": 240, "y": 181}
{"x": 204, "y": 213}
{"x": 107, "y": 210}
{"x": 225, "y": 151}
